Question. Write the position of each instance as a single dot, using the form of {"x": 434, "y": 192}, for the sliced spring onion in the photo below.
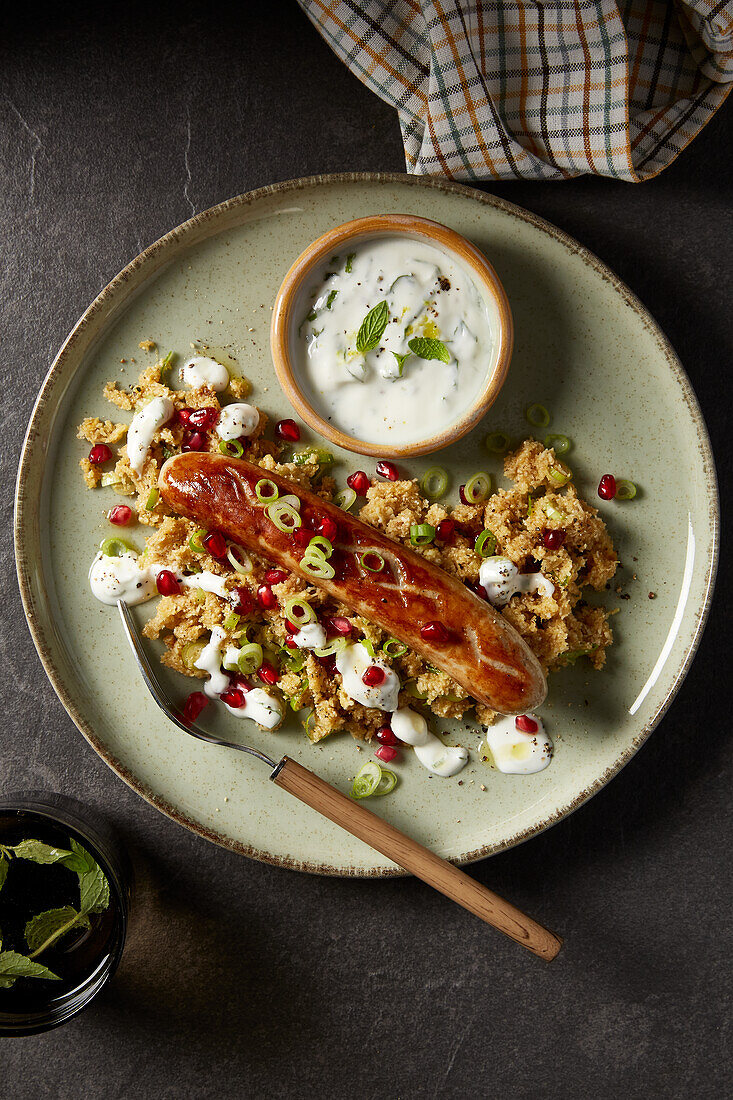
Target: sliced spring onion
{"x": 497, "y": 443}
{"x": 477, "y": 488}
{"x": 313, "y": 454}
{"x": 317, "y": 567}
{"x": 321, "y": 544}
{"x": 195, "y": 543}
{"x": 296, "y": 702}
{"x": 153, "y": 498}
{"x": 421, "y": 534}
{"x": 293, "y": 659}
{"x": 266, "y": 490}
{"x": 553, "y": 513}
{"x": 537, "y": 415}
{"x": 412, "y": 689}
{"x": 387, "y": 782}
{"x": 334, "y": 647}
{"x": 191, "y": 653}
{"x": 309, "y": 724}
{"x": 239, "y": 559}
{"x": 114, "y": 547}
{"x": 530, "y": 505}
{"x": 110, "y": 478}
{"x": 345, "y": 498}
{"x": 434, "y": 483}
{"x": 292, "y": 500}
{"x": 369, "y": 647}
{"x": 231, "y": 447}
{"x": 199, "y": 595}
{"x": 299, "y": 611}
{"x": 393, "y": 647}
{"x": 283, "y": 516}
{"x": 167, "y": 362}
{"x": 372, "y": 560}
{"x": 366, "y": 780}
{"x": 559, "y": 443}
{"x": 625, "y": 489}
{"x": 559, "y": 477}
{"x": 250, "y": 658}
{"x": 485, "y": 544}
{"x": 231, "y": 622}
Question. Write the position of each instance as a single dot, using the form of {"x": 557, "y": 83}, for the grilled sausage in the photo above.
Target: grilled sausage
{"x": 481, "y": 651}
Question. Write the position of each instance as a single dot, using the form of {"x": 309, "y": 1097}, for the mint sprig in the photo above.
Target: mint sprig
{"x": 372, "y": 328}
{"x": 14, "y": 965}
{"x": 427, "y": 348}
{"x": 401, "y": 360}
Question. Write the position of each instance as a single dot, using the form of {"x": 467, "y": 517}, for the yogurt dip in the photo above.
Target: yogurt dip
{"x": 393, "y": 342}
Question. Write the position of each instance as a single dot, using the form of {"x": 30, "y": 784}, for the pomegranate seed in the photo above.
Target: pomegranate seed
{"x": 302, "y": 536}
{"x": 553, "y": 540}
{"x": 216, "y": 544}
{"x": 99, "y": 453}
{"x": 388, "y": 470}
{"x": 341, "y": 626}
{"x": 266, "y": 598}
{"x": 233, "y": 697}
{"x": 291, "y": 627}
{"x": 607, "y": 487}
{"x": 287, "y": 430}
{"x": 245, "y": 604}
{"x": 194, "y": 705}
{"x": 374, "y": 676}
{"x": 386, "y": 737}
{"x": 204, "y": 418}
{"x": 446, "y": 530}
{"x": 120, "y": 515}
{"x": 329, "y": 663}
{"x": 236, "y": 680}
{"x": 267, "y": 673}
{"x": 386, "y": 753}
{"x": 183, "y": 416}
{"x": 526, "y": 724}
{"x": 359, "y": 482}
{"x": 167, "y": 583}
{"x": 434, "y": 632}
{"x": 275, "y": 576}
{"x": 328, "y": 528}
{"x": 194, "y": 441}
{"x": 461, "y": 494}
{"x": 290, "y": 643}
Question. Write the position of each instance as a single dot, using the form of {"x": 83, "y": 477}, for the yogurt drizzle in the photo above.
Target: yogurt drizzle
{"x": 500, "y": 579}
{"x": 516, "y": 752}
{"x": 201, "y": 372}
{"x": 141, "y": 432}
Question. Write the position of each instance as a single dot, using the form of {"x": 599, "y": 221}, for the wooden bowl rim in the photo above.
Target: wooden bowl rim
{"x": 382, "y": 225}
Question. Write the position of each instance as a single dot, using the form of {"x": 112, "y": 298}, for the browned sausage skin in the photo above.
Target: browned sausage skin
{"x": 483, "y": 653}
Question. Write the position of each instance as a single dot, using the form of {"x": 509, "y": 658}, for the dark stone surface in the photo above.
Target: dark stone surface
{"x": 240, "y": 979}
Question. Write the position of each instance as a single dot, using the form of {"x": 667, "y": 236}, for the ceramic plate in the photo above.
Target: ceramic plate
{"x": 585, "y": 348}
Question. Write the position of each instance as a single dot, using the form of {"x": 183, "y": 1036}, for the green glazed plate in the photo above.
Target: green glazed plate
{"x": 585, "y": 348}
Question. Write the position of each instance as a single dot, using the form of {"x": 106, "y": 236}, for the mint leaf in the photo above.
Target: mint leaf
{"x": 13, "y": 965}
{"x": 45, "y": 928}
{"x": 331, "y": 296}
{"x": 372, "y": 328}
{"x": 349, "y": 262}
{"x": 38, "y": 852}
{"x": 4, "y": 864}
{"x": 401, "y": 359}
{"x": 93, "y": 885}
{"x": 426, "y": 348}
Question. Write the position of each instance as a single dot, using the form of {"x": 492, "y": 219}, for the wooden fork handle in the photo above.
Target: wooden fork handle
{"x": 419, "y": 861}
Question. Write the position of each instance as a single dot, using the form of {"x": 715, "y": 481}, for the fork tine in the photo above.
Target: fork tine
{"x": 158, "y": 694}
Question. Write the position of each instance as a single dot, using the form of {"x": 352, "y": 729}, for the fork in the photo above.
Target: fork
{"x": 367, "y": 826}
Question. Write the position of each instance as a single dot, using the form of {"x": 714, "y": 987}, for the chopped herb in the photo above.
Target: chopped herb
{"x": 349, "y": 262}
{"x": 329, "y": 301}
{"x": 401, "y": 360}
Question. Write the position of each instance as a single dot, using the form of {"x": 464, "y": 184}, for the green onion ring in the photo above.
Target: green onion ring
{"x": 292, "y": 500}
{"x": 559, "y": 443}
{"x": 242, "y": 566}
{"x": 317, "y": 567}
{"x": 369, "y": 647}
{"x": 366, "y": 780}
{"x": 250, "y": 658}
{"x": 115, "y": 547}
{"x": 232, "y": 448}
{"x": 559, "y": 477}
{"x": 625, "y": 489}
{"x": 195, "y": 543}
{"x": 434, "y": 483}
{"x": 153, "y": 498}
{"x": 485, "y": 544}
{"x": 345, "y": 498}
{"x": 537, "y": 415}
{"x": 283, "y": 516}
{"x": 387, "y": 782}
{"x": 393, "y": 647}
{"x": 191, "y": 653}
{"x": 553, "y": 513}
{"x": 266, "y": 490}
{"x": 318, "y": 454}
{"x": 299, "y": 611}
{"x": 231, "y": 622}
{"x": 321, "y": 544}
{"x": 412, "y": 689}
{"x": 293, "y": 659}
{"x": 374, "y": 556}
{"x": 497, "y": 443}
{"x": 477, "y": 488}
{"x": 334, "y": 647}
{"x": 421, "y": 534}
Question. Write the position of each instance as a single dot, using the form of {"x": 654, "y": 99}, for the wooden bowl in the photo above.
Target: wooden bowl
{"x": 383, "y": 225}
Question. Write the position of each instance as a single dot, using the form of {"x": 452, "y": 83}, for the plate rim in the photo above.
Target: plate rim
{"x": 22, "y": 505}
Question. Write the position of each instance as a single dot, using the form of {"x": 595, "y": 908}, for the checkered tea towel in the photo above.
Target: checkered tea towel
{"x": 495, "y": 89}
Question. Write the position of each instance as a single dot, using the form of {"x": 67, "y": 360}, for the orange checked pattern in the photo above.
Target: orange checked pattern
{"x": 496, "y": 89}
